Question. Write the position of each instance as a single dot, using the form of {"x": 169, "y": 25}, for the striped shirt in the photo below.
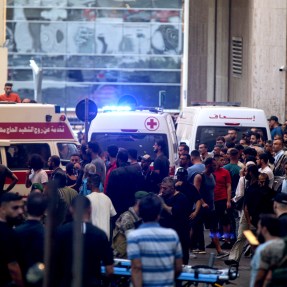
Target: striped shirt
{"x": 157, "y": 248}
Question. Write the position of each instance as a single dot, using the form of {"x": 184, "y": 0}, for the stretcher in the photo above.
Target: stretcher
{"x": 191, "y": 275}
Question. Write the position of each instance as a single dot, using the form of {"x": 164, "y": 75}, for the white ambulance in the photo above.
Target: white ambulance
{"x": 138, "y": 129}
{"x": 203, "y": 124}
{"x": 27, "y": 129}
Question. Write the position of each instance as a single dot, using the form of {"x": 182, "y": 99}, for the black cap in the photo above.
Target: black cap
{"x": 281, "y": 198}
{"x": 273, "y": 118}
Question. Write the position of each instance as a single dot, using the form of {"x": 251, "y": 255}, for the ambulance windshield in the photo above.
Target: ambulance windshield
{"x": 143, "y": 143}
{"x": 209, "y": 134}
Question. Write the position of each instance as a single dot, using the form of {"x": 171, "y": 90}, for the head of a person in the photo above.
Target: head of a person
{"x": 122, "y": 157}
{"x": 252, "y": 172}
{"x": 75, "y": 158}
{"x": 249, "y": 151}
{"x": 243, "y": 142}
{"x": 273, "y": 121}
{"x": 268, "y": 146}
{"x": 262, "y": 159}
{"x": 263, "y": 180}
{"x": 203, "y": 148}
{"x": 182, "y": 149}
{"x": 167, "y": 188}
{"x": 210, "y": 165}
{"x": 11, "y": 208}
{"x": 184, "y": 160}
{"x": 145, "y": 162}
{"x": 139, "y": 195}
{"x": 70, "y": 168}
{"x": 150, "y": 208}
{"x": 233, "y": 154}
{"x": 93, "y": 181}
{"x": 216, "y": 149}
{"x": 60, "y": 179}
{"x": 181, "y": 174}
{"x": 94, "y": 148}
{"x": 37, "y": 188}
{"x": 285, "y": 137}
{"x": 230, "y": 144}
{"x": 89, "y": 168}
{"x": 132, "y": 154}
{"x": 220, "y": 160}
{"x": 36, "y": 204}
{"x": 240, "y": 149}
{"x": 112, "y": 151}
{"x": 268, "y": 224}
{"x": 160, "y": 146}
{"x": 194, "y": 156}
{"x": 232, "y": 134}
{"x": 277, "y": 145}
{"x": 220, "y": 141}
{"x": 280, "y": 203}
{"x": 36, "y": 162}
{"x": 83, "y": 204}
{"x": 54, "y": 162}
{"x": 8, "y": 88}
{"x": 254, "y": 138}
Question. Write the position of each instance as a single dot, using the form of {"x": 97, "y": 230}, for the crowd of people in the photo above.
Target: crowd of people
{"x": 132, "y": 208}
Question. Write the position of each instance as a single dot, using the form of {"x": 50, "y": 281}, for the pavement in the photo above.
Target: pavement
{"x": 244, "y": 266}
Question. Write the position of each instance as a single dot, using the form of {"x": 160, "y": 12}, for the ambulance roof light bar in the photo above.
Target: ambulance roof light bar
{"x": 229, "y": 104}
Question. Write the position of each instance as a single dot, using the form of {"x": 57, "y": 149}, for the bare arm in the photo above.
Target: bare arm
{"x": 228, "y": 188}
{"x": 136, "y": 272}
{"x": 15, "y": 273}
{"x": 177, "y": 267}
{"x": 197, "y": 181}
{"x": 196, "y": 211}
{"x": 14, "y": 179}
{"x": 28, "y": 181}
{"x": 260, "y": 278}
{"x": 109, "y": 270}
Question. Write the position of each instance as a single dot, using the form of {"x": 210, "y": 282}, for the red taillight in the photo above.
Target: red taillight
{"x": 232, "y": 124}
{"x": 62, "y": 118}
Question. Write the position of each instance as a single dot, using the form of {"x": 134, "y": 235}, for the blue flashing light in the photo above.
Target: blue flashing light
{"x": 116, "y": 108}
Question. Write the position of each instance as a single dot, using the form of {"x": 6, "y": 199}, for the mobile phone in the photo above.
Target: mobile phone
{"x": 251, "y": 237}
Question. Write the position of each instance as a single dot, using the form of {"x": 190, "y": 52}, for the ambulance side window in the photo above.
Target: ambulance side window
{"x": 65, "y": 151}
{"x": 18, "y": 154}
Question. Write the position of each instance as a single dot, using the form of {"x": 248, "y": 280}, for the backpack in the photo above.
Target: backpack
{"x": 279, "y": 274}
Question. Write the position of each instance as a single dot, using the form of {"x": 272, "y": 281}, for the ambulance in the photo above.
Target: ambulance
{"x": 137, "y": 128}
{"x": 26, "y": 129}
{"x": 203, "y": 124}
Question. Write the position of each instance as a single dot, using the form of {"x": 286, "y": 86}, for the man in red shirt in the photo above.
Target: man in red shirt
{"x": 9, "y": 96}
{"x": 222, "y": 198}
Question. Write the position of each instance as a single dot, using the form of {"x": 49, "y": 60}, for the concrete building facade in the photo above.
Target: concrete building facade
{"x": 221, "y": 31}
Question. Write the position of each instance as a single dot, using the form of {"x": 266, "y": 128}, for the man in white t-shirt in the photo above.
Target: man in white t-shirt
{"x": 262, "y": 162}
{"x": 102, "y": 207}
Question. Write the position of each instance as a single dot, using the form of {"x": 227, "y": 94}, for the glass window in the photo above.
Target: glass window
{"x": 143, "y": 143}
{"x": 18, "y": 154}
{"x": 208, "y": 135}
{"x": 65, "y": 151}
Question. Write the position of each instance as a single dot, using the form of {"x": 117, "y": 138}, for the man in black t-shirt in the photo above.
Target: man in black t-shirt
{"x": 161, "y": 162}
{"x": 96, "y": 250}
{"x": 175, "y": 213}
{"x": 11, "y": 208}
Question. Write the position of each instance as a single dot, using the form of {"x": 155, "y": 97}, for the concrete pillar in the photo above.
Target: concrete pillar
{"x": 268, "y": 46}
{"x": 3, "y": 51}
{"x": 198, "y": 50}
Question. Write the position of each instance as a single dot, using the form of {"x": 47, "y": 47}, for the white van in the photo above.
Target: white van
{"x": 26, "y": 129}
{"x": 138, "y": 129}
{"x": 203, "y": 124}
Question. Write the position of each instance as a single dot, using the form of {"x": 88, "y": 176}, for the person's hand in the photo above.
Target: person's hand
{"x": 205, "y": 205}
{"x": 77, "y": 166}
{"x": 228, "y": 204}
{"x": 192, "y": 215}
{"x": 178, "y": 183}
